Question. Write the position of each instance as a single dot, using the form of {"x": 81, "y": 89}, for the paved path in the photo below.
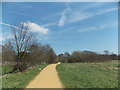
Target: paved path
{"x": 47, "y": 78}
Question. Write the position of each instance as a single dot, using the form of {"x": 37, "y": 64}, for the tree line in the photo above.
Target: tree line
{"x": 87, "y": 56}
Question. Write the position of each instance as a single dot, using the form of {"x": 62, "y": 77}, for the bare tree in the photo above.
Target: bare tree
{"x": 21, "y": 41}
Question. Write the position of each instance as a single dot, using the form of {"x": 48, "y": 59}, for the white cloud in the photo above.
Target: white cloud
{"x": 33, "y": 27}
{"x": 77, "y": 16}
{"x": 91, "y": 5}
{"x": 50, "y": 24}
{"x": 92, "y": 28}
{"x": 62, "y": 20}
{"x": 99, "y": 27}
{"x": 105, "y": 11}
{"x": 70, "y": 15}
{"x": 66, "y": 11}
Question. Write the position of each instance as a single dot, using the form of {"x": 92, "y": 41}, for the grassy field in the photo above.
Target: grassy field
{"x": 6, "y": 69}
{"x": 20, "y": 80}
{"x": 89, "y": 75}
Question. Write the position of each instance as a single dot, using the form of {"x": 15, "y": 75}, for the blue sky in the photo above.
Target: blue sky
{"x": 66, "y": 26}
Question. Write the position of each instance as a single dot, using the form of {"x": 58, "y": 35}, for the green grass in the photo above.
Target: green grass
{"x": 20, "y": 80}
{"x": 89, "y": 75}
{"x": 7, "y": 69}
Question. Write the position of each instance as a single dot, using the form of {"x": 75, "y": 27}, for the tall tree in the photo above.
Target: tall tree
{"x": 21, "y": 41}
{"x": 52, "y": 56}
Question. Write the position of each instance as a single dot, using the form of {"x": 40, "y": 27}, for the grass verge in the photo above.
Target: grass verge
{"x": 89, "y": 75}
{"x": 6, "y": 69}
{"x": 21, "y": 80}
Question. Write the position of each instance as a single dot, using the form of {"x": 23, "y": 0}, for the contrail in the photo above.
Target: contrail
{"x": 8, "y": 25}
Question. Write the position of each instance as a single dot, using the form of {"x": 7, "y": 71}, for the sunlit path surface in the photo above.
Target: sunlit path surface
{"x": 47, "y": 78}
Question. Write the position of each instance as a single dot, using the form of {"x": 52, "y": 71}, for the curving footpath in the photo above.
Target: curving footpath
{"x": 47, "y": 78}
